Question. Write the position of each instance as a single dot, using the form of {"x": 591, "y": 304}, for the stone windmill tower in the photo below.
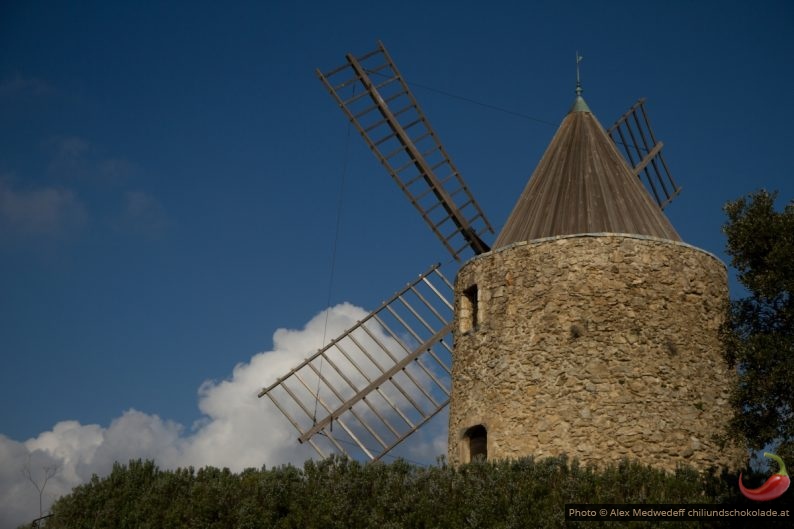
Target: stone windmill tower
{"x": 588, "y": 328}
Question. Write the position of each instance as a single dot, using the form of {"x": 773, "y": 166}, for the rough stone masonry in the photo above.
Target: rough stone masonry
{"x": 599, "y": 346}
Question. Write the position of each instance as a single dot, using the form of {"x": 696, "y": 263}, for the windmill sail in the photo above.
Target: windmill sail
{"x": 376, "y": 99}
{"x": 378, "y": 382}
{"x": 643, "y": 153}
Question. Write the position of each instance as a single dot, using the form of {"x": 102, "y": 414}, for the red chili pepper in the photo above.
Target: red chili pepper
{"x": 774, "y": 487}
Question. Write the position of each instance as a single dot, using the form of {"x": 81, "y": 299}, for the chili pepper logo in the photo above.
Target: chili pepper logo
{"x": 774, "y": 487}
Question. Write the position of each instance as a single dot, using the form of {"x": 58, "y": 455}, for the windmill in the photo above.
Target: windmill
{"x": 389, "y": 374}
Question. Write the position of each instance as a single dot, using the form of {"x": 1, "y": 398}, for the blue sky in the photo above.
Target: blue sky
{"x": 170, "y": 172}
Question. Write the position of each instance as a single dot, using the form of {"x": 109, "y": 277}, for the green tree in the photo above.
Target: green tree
{"x": 759, "y": 330}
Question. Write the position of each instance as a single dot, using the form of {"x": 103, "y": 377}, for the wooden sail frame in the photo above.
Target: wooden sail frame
{"x": 643, "y": 153}
{"x": 379, "y": 381}
{"x": 390, "y": 120}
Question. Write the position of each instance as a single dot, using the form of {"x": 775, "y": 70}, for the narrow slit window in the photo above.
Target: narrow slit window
{"x": 477, "y": 437}
{"x": 470, "y": 310}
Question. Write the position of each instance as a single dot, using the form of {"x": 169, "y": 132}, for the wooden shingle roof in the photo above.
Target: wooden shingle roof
{"x": 583, "y": 185}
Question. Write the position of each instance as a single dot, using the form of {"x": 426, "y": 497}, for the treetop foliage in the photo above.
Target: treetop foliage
{"x": 340, "y": 493}
{"x": 761, "y": 244}
{"x": 759, "y": 329}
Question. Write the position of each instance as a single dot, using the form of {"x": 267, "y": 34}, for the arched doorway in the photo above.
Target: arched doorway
{"x": 477, "y": 437}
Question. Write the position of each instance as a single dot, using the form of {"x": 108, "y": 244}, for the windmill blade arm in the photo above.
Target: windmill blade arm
{"x": 643, "y": 153}
{"x": 389, "y": 119}
{"x": 380, "y": 380}
{"x": 425, "y": 170}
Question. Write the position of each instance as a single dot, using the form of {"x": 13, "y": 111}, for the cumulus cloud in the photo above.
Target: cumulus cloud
{"x": 47, "y": 210}
{"x": 237, "y": 430}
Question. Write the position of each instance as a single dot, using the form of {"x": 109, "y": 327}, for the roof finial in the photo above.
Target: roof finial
{"x": 579, "y": 105}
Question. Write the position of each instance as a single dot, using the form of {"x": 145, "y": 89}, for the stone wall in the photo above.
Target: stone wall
{"x": 599, "y": 346}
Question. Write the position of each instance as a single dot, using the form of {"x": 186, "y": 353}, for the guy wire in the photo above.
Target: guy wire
{"x": 340, "y": 203}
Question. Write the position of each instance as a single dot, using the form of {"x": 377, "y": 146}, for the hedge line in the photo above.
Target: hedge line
{"x": 339, "y": 493}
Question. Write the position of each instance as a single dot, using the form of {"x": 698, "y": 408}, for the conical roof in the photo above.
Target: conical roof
{"x": 583, "y": 185}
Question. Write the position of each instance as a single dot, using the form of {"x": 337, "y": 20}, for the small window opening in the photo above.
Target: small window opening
{"x": 477, "y": 437}
{"x": 469, "y": 313}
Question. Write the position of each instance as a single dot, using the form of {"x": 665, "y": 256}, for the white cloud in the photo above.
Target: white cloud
{"x": 237, "y": 430}
{"x": 45, "y": 210}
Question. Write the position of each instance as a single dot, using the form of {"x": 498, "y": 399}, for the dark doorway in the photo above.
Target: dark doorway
{"x": 478, "y": 442}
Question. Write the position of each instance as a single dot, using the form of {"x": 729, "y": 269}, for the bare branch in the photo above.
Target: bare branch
{"x": 48, "y": 472}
